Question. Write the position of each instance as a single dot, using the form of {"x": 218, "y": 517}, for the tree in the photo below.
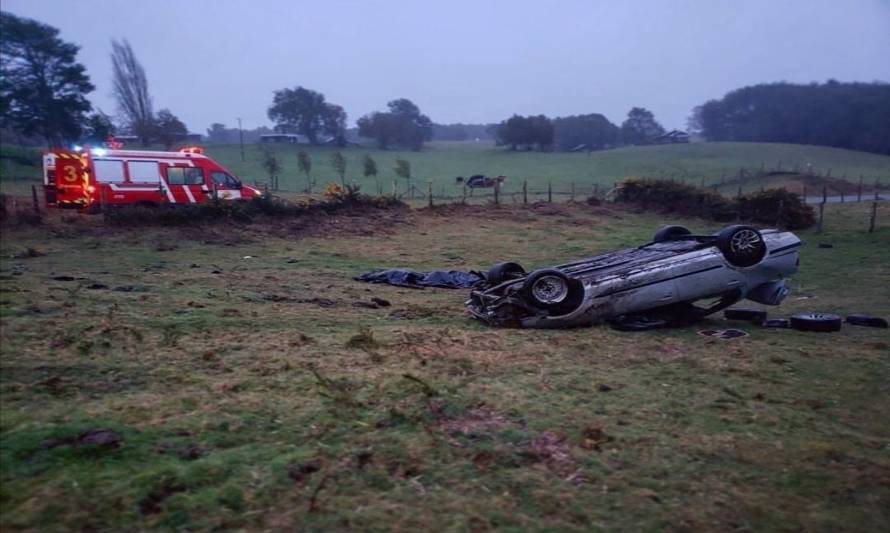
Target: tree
{"x": 304, "y": 111}
{"x": 584, "y": 132}
{"x": 403, "y": 125}
{"x": 304, "y": 165}
{"x": 339, "y": 164}
{"x": 168, "y": 128}
{"x": 369, "y": 168}
{"x": 130, "y": 89}
{"x": 272, "y": 165}
{"x": 845, "y": 115}
{"x": 98, "y": 127}
{"x": 526, "y": 132}
{"x": 42, "y": 87}
{"x": 334, "y": 124}
{"x": 640, "y": 127}
{"x": 402, "y": 169}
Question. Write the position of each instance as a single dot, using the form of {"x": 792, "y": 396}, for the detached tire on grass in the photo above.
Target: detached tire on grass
{"x": 823, "y": 322}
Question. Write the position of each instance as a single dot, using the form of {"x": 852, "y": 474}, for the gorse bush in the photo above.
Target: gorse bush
{"x": 775, "y": 207}
{"x": 673, "y": 197}
{"x": 211, "y": 211}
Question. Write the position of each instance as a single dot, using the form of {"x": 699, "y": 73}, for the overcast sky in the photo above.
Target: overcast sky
{"x": 469, "y": 61}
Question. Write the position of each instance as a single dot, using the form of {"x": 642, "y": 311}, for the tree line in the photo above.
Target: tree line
{"x": 844, "y": 115}
{"x": 588, "y": 132}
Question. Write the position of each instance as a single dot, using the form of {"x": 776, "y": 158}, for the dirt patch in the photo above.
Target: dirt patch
{"x": 474, "y": 421}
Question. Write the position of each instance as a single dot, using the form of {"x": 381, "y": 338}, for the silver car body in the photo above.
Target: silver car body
{"x": 649, "y": 277}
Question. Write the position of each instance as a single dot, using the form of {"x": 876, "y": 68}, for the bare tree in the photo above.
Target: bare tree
{"x": 131, "y": 90}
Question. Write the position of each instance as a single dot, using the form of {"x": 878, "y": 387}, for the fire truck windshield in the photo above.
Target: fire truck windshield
{"x": 224, "y": 180}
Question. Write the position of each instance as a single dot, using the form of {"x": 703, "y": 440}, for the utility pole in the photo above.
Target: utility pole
{"x": 241, "y": 137}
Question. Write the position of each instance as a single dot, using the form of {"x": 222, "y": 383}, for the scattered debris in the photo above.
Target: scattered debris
{"x": 825, "y": 245}
{"x": 723, "y": 333}
{"x": 776, "y": 323}
{"x": 745, "y": 313}
{"x": 97, "y": 286}
{"x": 381, "y": 302}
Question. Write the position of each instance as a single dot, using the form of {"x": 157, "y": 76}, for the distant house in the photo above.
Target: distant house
{"x": 283, "y": 138}
{"x": 672, "y": 137}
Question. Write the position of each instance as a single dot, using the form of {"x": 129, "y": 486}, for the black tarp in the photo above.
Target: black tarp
{"x": 446, "y": 279}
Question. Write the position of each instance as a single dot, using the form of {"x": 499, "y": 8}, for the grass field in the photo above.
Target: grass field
{"x": 236, "y": 377}
{"x": 441, "y": 162}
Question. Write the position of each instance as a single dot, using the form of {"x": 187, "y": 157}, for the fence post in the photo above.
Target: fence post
{"x": 463, "y": 197}
{"x": 34, "y": 199}
{"x": 395, "y": 188}
{"x": 573, "y": 192}
{"x": 842, "y": 196}
{"x": 430, "y": 191}
{"x": 497, "y": 189}
{"x": 739, "y": 194}
{"x": 550, "y": 192}
{"x": 804, "y": 194}
{"x": 859, "y": 191}
{"x": 102, "y": 199}
{"x": 822, "y": 208}
{"x": 525, "y": 191}
{"x": 874, "y": 216}
{"x": 596, "y": 190}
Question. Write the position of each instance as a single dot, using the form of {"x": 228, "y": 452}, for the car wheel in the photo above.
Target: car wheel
{"x": 670, "y": 233}
{"x": 816, "y": 322}
{"x": 501, "y": 272}
{"x": 553, "y": 291}
{"x": 742, "y": 246}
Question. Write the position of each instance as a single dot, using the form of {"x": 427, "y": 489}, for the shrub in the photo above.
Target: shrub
{"x": 771, "y": 207}
{"x": 672, "y": 197}
{"x": 776, "y": 207}
{"x": 244, "y": 211}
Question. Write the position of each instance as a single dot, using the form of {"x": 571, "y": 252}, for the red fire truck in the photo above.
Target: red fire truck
{"x": 86, "y": 178}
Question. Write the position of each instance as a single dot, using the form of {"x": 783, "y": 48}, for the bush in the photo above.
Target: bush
{"x": 771, "y": 207}
{"x": 672, "y": 197}
{"x": 243, "y": 211}
{"x": 776, "y": 207}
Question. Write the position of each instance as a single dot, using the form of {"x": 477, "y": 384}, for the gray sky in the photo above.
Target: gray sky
{"x": 469, "y": 61}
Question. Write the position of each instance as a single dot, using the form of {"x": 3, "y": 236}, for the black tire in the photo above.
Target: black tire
{"x": 868, "y": 321}
{"x": 742, "y": 246}
{"x": 816, "y": 322}
{"x": 563, "y": 301}
{"x": 501, "y": 272}
{"x": 745, "y": 313}
{"x": 670, "y": 233}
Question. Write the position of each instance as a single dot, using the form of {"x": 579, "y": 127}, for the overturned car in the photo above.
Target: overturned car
{"x": 678, "y": 277}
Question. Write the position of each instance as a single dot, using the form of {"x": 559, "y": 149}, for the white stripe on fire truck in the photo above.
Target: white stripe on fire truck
{"x": 166, "y": 188}
{"x": 188, "y": 193}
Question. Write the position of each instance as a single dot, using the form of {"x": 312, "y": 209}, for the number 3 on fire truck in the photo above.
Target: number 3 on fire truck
{"x": 70, "y": 174}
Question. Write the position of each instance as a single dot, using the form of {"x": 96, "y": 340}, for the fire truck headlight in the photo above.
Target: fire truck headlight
{"x": 99, "y": 151}
{"x": 91, "y": 189}
{"x": 77, "y": 147}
